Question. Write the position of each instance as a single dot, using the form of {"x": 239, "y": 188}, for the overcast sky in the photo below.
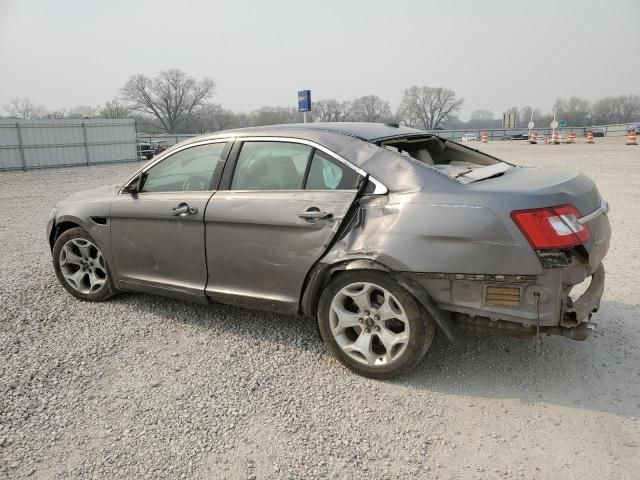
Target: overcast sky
{"x": 62, "y": 53}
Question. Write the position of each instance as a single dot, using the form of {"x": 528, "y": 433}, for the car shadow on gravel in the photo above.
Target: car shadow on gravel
{"x": 599, "y": 374}
{"x": 281, "y": 329}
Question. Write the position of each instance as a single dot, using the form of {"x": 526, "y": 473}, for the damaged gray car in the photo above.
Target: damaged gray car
{"x": 381, "y": 233}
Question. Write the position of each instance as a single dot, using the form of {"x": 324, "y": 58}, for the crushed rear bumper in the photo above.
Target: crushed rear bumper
{"x": 581, "y": 309}
{"x": 524, "y": 305}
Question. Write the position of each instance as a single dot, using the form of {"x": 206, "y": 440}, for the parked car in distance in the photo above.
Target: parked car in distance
{"x": 469, "y": 137}
{"x": 380, "y": 233}
{"x": 145, "y": 150}
{"x": 596, "y": 131}
{"x": 635, "y": 128}
{"x": 158, "y": 146}
{"x": 516, "y": 135}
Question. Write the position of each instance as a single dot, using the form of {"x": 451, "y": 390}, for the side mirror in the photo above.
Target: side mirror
{"x": 134, "y": 186}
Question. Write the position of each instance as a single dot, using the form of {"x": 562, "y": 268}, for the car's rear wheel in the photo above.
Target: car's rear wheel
{"x": 81, "y": 267}
{"x": 372, "y": 325}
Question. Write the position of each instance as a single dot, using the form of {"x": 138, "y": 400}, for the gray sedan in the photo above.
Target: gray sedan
{"x": 382, "y": 233}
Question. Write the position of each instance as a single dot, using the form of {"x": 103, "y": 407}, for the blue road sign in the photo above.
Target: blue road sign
{"x": 304, "y": 101}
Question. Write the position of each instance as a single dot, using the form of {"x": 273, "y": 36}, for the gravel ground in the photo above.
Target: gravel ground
{"x": 146, "y": 387}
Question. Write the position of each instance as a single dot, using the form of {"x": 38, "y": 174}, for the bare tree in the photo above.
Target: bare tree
{"x": 170, "y": 97}
{"x": 575, "y": 110}
{"x": 628, "y": 108}
{"x": 619, "y": 109}
{"x": 55, "y": 114}
{"x": 23, "y": 107}
{"x": 273, "y": 116}
{"x": 482, "y": 115}
{"x": 242, "y": 119}
{"x": 370, "y": 108}
{"x": 452, "y": 122}
{"x": 82, "y": 111}
{"x": 407, "y": 116}
{"x": 481, "y": 119}
{"x": 115, "y": 109}
{"x": 605, "y": 111}
{"x": 331, "y": 110}
{"x": 430, "y": 106}
{"x": 212, "y": 118}
{"x": 524, "y": 116}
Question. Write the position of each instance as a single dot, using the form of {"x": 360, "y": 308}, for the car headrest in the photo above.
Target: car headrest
{"x": 285, "y": 170}
{"x": 435, "y": 145}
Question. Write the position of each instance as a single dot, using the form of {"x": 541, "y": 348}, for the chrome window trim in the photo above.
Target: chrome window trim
{"x": 168, "y": 153}
{"x": 603, "y": 208}
{"x": 380, "y": 189}
{"x": 284, "y": 190}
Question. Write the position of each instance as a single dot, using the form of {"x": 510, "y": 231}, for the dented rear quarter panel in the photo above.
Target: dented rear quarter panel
{"x": 435, "y": 232}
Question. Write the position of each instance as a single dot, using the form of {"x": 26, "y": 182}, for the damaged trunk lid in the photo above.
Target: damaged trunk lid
{"x": 535, "y": 188}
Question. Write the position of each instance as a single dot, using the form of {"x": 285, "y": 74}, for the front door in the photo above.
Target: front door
{"x": 283, "y": 206}
{"x": 157, "y": 235}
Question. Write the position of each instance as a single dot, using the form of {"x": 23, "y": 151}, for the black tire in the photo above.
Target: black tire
{"x": 102, "y": 293}
{"x": 421, "y": 325}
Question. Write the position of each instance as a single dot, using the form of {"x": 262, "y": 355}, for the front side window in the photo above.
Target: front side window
{"x": 271, "y": 166}
{"x": 189, "y": 170}
{"x": 326, "y": 173}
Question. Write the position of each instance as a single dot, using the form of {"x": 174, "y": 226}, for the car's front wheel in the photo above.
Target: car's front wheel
{"x": 372, "y": 325}
{"x": 81, "y": 267}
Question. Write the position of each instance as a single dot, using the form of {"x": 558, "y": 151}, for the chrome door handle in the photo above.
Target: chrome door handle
{"x": 314, "y": 213}
{"x": 183, "y": 210}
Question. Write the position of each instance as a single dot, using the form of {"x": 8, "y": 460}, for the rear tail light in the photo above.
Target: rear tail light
{"x": 552, "y": 227}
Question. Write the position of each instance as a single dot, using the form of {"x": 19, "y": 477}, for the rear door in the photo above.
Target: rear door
{"x": 157, "y": 235}
{"x": 282, "y": 205}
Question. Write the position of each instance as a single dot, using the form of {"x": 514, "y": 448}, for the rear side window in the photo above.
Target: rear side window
{"x": 271, "y": 166}
{"x": 326, "y": 173}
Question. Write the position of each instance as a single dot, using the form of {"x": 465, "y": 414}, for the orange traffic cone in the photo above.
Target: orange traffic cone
{"x": 571, "y": 138}
{"x": 485, "y": 137}
{"x": 590, "y": 137}
{"x": 555, "y": 138}
{"x": 533, "y": 139}
{"x": 631, "y": 138}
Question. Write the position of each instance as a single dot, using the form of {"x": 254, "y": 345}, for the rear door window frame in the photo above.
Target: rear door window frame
{"x": 232, "y": 160}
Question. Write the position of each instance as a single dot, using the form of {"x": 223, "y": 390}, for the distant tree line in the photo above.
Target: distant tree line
{"x": 576, "y": 111}
{"x": 174, "y": 102}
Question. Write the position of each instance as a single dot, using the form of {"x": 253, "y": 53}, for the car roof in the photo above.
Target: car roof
{"x": 367, "y": 131}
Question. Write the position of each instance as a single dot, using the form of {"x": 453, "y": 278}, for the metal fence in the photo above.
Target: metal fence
{"x": 616, "y": 130}
{"x": 502, "y": 133}
{"x": 167, "y": 139}
{"x": 28, "y": 144}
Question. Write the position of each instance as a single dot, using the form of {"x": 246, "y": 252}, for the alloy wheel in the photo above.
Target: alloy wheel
{"x": 82, "y": 266}
{"x": 369, "y": 324}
